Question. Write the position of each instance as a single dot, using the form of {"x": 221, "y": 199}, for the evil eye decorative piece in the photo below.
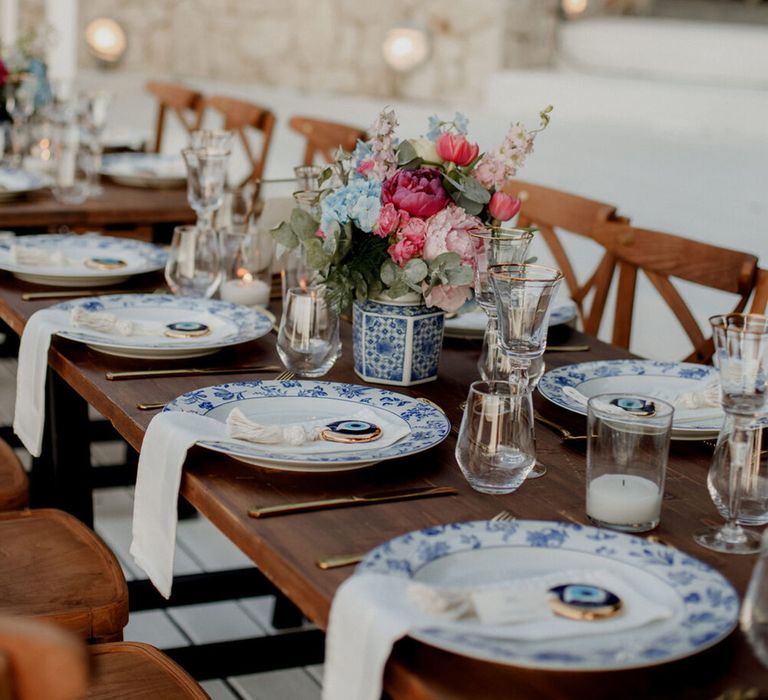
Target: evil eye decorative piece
{"x": 579, "y": 601}
{"x": 351, "y": 431}
{"x": 186, "y": 329}
{"x": 105, "y": 263}
{"x": 637, "y": 407}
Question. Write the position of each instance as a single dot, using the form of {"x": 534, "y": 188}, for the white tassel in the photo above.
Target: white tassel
{"x": 105, "y": 322}
{"x": 242, "y": 428}
{"x": 27, "y": 255}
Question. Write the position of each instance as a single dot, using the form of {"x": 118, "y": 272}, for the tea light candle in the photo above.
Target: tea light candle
{"x": 246, "y": 291}
{"x": 622, "y": 499}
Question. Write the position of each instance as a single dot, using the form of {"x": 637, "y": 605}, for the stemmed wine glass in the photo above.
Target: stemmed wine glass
{"x": 206, "y": 178}
{"x": 524, "y": 295}
{"x": 94, "y": 120}
{"x": 741, "y": 356}
{"x": 494, "y": 246}
{"x": 754, "y": 610}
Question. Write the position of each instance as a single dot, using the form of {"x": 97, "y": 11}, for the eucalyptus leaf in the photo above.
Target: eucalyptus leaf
{"x": 303, "y": 225}
{"x": 415, "y": 270}
{"x": 285, "y": 236}
{"x": 474, "y": 190}
{"x": 406, "y": 153}
{"x": 461, "y": 276}
{"x": 469, "y": 205}
{"x": 389, "y": 273}
{"x": 314, "y": 254}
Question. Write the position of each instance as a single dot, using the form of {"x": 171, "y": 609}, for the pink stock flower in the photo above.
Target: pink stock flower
{"x": 448, "y": 232}
{"x": 389, "y": 220}
{"x": 419, "y": 192}
{"x": 410, "y": 242}
{"x": 503, "y": 206}
{"x": 447, "y": 297}
{"x": 456, "y": 149}
{"x": 364, "y": 167}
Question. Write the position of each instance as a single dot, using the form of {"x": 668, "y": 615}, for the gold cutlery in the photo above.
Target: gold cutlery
{"x": 340, "y": 560}
{"x": 564, "y": 433}
{"x": 347, "y": 501}
{"x": 74, "y": 293}
{"x": 567, "y": 348}
{"x": 188, "y": 372}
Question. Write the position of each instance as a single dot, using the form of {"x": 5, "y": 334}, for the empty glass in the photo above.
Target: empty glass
{"x": 95, "y": 107}
{"x": 627, "y": 454}
{"x": 308, "y": 341}
{"x": 237, "y": 208}
{"x": 741, "y": 356}
{"x": 194, "y": 264}
{"x": 495, "y": 448}
{"x": 754, "y": 609}
{"x": 71, "y": 179}
{"x": 206, "y": 177}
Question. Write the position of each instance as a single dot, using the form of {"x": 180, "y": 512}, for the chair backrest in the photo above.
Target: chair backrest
{"x": 760, "y": 296}
{"x": 186, "y": 103}
{"x": 661, "y": 256}
{"x": 241, "y": 117}
{"x": 323, "y": 138}
{"x": 40, "y": 660}
{"x": 553, "y": 212}
{"x": 14, "y": 485}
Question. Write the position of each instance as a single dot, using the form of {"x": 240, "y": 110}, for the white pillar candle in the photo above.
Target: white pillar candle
{"x": 622, "y": 499}
{"x": 302, "y": 319}
{"x": 62, "y": 51}
{"x": 253, "y": 292}
{"x": 9, "y": 22}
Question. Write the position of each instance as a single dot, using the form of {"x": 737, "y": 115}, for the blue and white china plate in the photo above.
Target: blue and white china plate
{"x": 705, "y": 606}
{"x": 298, "y": 401}
{"x": 641, "y": 377}
{"x": 15, "y": 182}
{"x": 139, "y": 257}
{"x": 230, "y": 324}
{"x": 145, "y": 169}
{"x": 472, "y": 322}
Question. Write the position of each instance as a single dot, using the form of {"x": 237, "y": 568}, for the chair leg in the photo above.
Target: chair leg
{"x": 285, "y": 614}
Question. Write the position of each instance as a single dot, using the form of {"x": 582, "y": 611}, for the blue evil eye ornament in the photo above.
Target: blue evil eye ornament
{"x": 105, "y": 263}
{"x": 579, "y": 601}
{"x": 186, "y": 329}
{"x": 351, "y": 431}
{"x": 635, "y": 406}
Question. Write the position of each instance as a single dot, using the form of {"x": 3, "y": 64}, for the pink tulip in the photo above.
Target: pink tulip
{"x": 456, "y": 149}
{"x": 503, "y": 206}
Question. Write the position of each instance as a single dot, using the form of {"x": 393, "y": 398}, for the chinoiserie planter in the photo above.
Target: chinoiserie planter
{"x": 397, "y": 342}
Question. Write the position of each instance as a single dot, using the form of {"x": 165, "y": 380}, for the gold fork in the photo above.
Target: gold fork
{"x": 349, "y": 559}
{"x": 564, "y": 433}
{"x": 285, "y": 375}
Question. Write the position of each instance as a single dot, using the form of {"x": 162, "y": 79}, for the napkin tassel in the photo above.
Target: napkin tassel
{"x": 104, "y": 322}
{"x": 27, "y": 255}
{"x": 240, "y": 427}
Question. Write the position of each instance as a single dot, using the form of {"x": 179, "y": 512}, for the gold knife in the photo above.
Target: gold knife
{"x": 189, "y": 371}
{"x": 339, "y": 561}
{"x": 72, "y": 294}
{"x": 346, "y": 501}
{"x": 567, "y": 348}
{"x": 152, "y": 406}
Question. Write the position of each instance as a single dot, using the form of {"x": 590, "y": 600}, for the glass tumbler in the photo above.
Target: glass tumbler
{"x": 495, "y": 449}
{"x": 627, "y": 451}
{"x": 308, "y": 341}
{"x": 754, "y": 610}
{"x": 71, "y": 160}
{"x": 194, "y": 262}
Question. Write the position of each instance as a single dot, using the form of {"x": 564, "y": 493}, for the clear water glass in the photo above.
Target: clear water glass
{"x": 495, "y": 448}
{"x": 212, "y": 140}
{"x": 308, "y": 341}
{"x": 193, "y": 268}
{"x": 206, "y": 179}
{"x": 71, "y": 176}
{"x": 754, "y": 609}
{"x": 741, "y": 356}
{"x": 95, "y": 109}
{"x": 237, "y": 208}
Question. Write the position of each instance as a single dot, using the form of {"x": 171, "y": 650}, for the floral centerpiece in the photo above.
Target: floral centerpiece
{"x": 393, "y": 220}
{"x": 23, "y": 72}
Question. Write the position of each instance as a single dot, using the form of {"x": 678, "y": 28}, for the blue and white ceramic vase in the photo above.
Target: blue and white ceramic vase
{"x": 397, "y": 342}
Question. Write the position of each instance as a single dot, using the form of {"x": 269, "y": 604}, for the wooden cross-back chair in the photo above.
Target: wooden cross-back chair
{"x": 240, "y": 117}
{"x": 661, "y": 257}
{"x": 324, "y": 138}
{"x": 551, "y": 211}
{"x": 186, "y": 103}
{"x": 760, "y": 296}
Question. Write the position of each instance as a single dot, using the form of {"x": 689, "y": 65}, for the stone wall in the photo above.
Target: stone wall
{"x": 327, "y": 45}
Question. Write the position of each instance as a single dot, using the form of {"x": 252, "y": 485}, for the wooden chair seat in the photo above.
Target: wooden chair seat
{"x": 55, "y": 568}
{"x": 14, "y": 486}
{"x": 184, "y": 102}
{"x": 139, "y": 672}
{"x": 324, "y": 138}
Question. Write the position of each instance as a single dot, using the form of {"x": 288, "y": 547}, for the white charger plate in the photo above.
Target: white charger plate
{"x": 461, "y": 555}
{"x": 298, "y": 401}
{"x": 640, "y": 377}
{"x": 471, "y": 324}
{"x": 140, "y": 257}
{"x": 151, "y": 170}
{"x": 230, "y": 324}
{"x": 16, "y": 183}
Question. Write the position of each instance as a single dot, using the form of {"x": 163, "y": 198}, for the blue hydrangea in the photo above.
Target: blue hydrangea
{"x": 359, "y": 202}
{"x": 461, "y": 122}
{"x": 434, "y": 128}
{"x": 362, "y": 152}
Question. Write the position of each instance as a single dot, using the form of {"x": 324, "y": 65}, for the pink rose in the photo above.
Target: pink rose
{"x": 410, "y": 242}
{"x": 419, "y": 192}
{"x": 447, "y": 297}
{"x": 456, "y": 149}
{"x": 389, "y": 220}
{"x": 503, "y": 206}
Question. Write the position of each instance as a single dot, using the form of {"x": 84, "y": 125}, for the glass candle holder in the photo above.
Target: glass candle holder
{"x": 246, "y": 259}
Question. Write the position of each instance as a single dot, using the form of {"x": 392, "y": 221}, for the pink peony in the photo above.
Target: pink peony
{"x": 448, "y": 232}
{"x": 389, "y": 220}
{"x": 503, "y": 206}
{"x": 447, "y": 297}
{"x": 410, "y": 242}
{"x": 419, "y": 192}
{"x": 456, "y": 149}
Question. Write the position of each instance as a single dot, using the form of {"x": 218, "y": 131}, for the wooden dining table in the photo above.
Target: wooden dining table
{"x": 286, "y": 548}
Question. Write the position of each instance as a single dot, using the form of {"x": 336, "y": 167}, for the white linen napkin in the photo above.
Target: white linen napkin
{"x": 29, "y": 415}
{"x": 168, "y": 438}
{"x": 370, "y": 612}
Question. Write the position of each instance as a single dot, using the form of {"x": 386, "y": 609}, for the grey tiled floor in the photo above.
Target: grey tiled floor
{"x": 200, "y": 548}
